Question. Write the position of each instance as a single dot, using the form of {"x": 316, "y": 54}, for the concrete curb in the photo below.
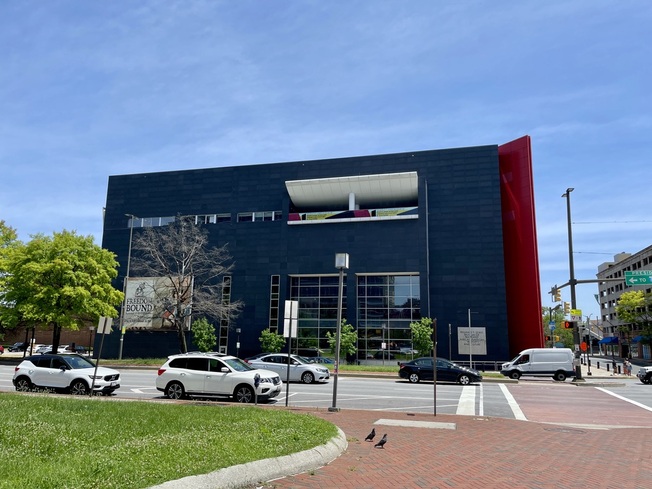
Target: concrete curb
{"x": 252, "y": 473}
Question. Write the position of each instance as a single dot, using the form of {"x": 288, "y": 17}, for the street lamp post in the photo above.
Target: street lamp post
{"x": 237, "y": 344}
{"x": 572, "y": 282}
{"x": 341, "y": 263}
{"x": 124, "y": 287}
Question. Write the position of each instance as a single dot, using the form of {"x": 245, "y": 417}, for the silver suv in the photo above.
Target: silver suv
{"x": 68, "y": 372}
{"x": 214, "y": 375}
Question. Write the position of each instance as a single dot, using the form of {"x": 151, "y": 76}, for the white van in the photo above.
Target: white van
{"x": 557, "y": 363}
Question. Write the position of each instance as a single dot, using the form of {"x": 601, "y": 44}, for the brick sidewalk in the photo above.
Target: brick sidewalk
{"x": 480, "y": 453}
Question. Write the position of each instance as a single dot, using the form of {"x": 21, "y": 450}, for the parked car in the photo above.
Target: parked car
{"x": 76, "y": 349}
{"x": 645, "y": 375}
{"x": 214, "y": 375}
{"x": 301, "y": 370}
{"x": 66, "y": 373}
{"x": 383, "y": 354}
{"x": 18, "y": 346}
{"x": 322, "y": 360}
{"x": 421, "y": 369}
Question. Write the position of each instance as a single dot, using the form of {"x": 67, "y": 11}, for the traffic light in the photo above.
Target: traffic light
{"x": 566, "y": 307}
{"x": 556, "y": 337}
{"x": 548, "y": 337}
{"x": 569, "y": 324}
{"x": 556, "y": 294}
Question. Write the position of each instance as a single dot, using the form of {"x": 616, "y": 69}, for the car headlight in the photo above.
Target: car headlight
{"x": 265, "y": 379}
{"x": 96, "y": 377}
{"x": 322, "y": 370}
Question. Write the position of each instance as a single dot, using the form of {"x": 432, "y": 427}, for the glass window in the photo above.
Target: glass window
{"x": 200, "y": 364}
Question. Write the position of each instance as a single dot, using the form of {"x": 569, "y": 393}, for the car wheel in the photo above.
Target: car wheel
{"x": 559, "y": 376}
{"x": 23, "y": 384}
{"x": 175, "y": 390}
{"x": 464, "y": 379}
{"x": 244, "y": 393}
{"x": 414, "y": 378}
{"x": 647, "y": 379}
{"x": 308, "y": 378}
{"x": 79, "y": 388}
{"x": 515, "y": 375}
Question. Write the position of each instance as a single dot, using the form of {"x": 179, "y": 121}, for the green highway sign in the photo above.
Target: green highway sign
{"x": 638, "y": 277}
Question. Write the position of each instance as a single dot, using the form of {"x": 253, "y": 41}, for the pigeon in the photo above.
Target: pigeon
{"x": 370, "y": 436}
{"x": 381, "y": 443}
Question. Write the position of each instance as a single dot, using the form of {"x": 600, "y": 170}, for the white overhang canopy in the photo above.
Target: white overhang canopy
{"x": 397, "y": 188}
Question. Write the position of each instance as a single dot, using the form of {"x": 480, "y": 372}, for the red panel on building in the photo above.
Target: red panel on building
{"x": 520, "y": 244}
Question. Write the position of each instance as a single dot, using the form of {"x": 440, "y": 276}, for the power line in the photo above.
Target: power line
{"x": 608, "y": 222}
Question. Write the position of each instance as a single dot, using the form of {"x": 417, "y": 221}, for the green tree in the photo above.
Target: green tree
{"x": 422, "y": 336}
{"x": 635, "y": 308}
{"x": 203, "y": 334}
{"x": 63, "y": 281}
{"x": 195, "y": 272}
{"x": 348, "y": 340}
{"x": 271, "y": 341}
{"x": 8, "y": 240}
{"x": 559, "y": 334}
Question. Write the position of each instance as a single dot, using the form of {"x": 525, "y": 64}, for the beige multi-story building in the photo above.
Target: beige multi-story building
{"x": 621, "y": 338}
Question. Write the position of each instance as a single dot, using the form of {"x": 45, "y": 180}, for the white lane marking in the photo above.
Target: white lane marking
{"x": 518, "y": 414}
{"x": 481, "y": 406}
{"x": 647, "y": 408}
{"x": 466, "y": 405}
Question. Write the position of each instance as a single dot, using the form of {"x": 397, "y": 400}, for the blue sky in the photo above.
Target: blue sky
{"x": 92, "y": 89}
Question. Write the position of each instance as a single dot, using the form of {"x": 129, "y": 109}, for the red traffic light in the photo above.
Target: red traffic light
{"x": 569, "y": 324}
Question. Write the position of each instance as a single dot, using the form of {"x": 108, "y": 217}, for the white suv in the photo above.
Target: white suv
{"x": 213, "y": 375}
{"x": 70, "y": 373}
{"x": 645, "y": 375}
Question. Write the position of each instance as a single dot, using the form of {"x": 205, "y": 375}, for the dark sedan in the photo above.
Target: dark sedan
{"x": 421, "y": 369}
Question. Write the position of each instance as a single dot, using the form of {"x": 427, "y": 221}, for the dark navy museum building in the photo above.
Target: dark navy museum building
{"x": 446, "y": 234}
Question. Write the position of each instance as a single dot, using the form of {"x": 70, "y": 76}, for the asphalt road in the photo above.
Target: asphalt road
{"x": 617, "y": 402}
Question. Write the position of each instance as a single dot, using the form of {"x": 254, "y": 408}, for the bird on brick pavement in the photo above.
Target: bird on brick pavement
{"x": 370, "y": 436}
{"x": 381, "y": 443}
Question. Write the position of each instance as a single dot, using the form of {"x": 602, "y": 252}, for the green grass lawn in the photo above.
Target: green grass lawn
{"x": 49, "y": 441}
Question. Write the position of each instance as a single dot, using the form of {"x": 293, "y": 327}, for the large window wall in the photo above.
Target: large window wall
{"x": 387, "y": 304}
{"x": 317, "y": 297}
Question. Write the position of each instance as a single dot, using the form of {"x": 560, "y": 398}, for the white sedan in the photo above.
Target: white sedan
{"x": 301, "y": 369}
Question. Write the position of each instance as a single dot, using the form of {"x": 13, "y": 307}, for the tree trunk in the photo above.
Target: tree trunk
{"x": 182, "y": 335}
{"x": 56, "y": 337}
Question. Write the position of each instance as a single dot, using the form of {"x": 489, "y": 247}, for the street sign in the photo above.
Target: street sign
{"x": 638, "y": 277}
{"x": 552, "y": 327}
{"x": 576, "y": 315}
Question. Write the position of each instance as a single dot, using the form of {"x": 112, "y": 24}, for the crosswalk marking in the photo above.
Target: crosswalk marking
{"x": 518, "y": 414}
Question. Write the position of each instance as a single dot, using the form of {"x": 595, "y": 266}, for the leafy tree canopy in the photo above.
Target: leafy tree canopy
{"x": 203, "y": 334}
{"x": 422, "y": 336}
{"x": 635, "y": 308}
{"x": 270, "y": 341}
{"x": 61, "y": 280}
{"x": 348, "y": 340}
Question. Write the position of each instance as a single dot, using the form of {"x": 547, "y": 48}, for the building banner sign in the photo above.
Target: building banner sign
{"x": 150, "y": 303}
{"x": 472, "y": 341}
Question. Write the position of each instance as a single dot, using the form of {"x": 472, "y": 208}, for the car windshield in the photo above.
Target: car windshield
{"x": 78, "y": 362}
{"x": 237, "y": 364}
{"x": 301, "y": 359}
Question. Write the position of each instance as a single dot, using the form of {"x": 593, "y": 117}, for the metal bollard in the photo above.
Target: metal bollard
{"x": 598, "y": 364}
{"x": 607, "y": 367}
